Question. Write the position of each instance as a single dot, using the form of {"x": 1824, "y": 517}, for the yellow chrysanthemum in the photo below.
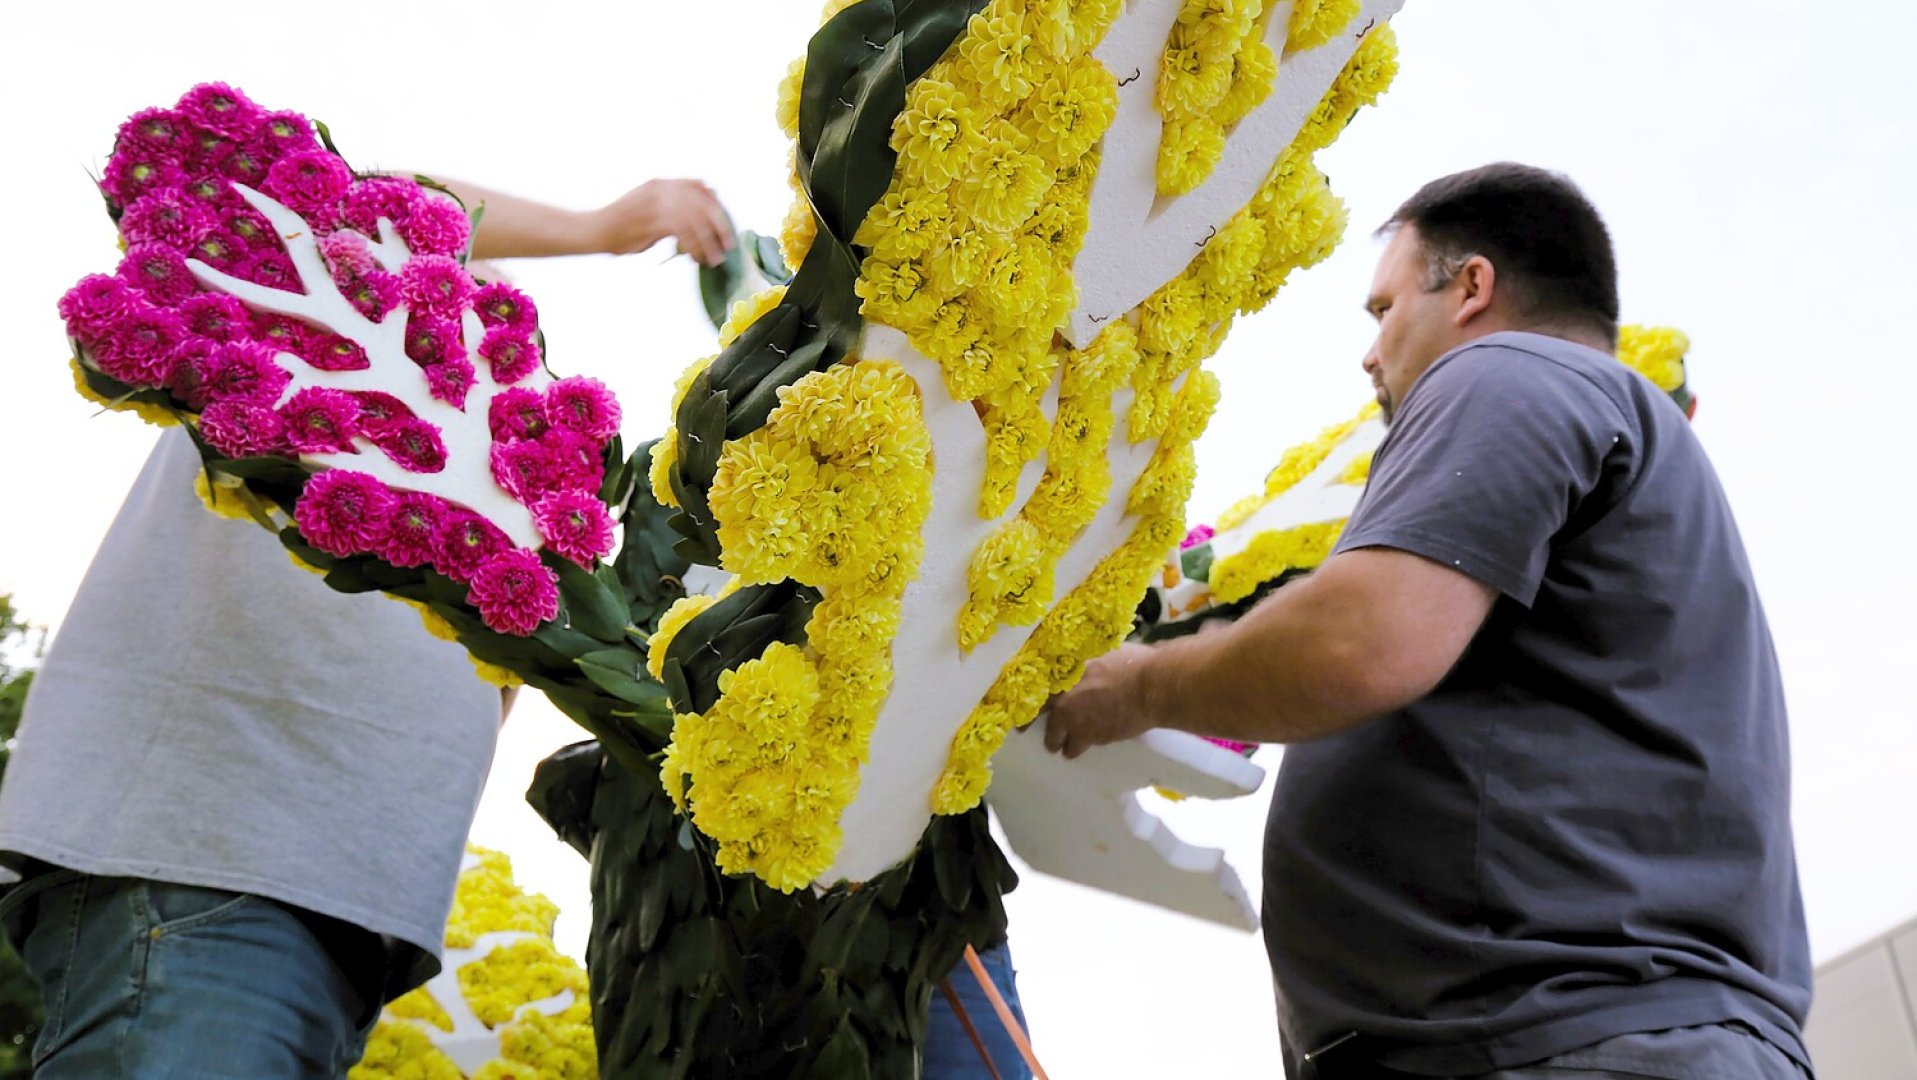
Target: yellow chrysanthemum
{"x": 682, "y": 611}
{"x": 1655, "y": 352}
{"x": 157, "y": 415}
{"x": 743, "y": 314}
{"x": 789, "y": 88}
{"x": 1316, "y": 22}
{"x": 936, "y": 134}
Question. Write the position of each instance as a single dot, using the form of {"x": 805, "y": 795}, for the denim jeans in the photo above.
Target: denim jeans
{"x": 156, "y": 981}
{"x": 949, "y": 1053}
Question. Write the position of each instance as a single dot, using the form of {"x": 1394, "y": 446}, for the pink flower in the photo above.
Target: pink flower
{"x": 308, "y": 182}
{"x": 131, "y": 175}
{"x": 244, "y": 371}
{"x": 211, "y": 191}
{"x": 348, "y": 254}
{"x": 411, "y": 529}
{"x": 331, "y": 352}
{"x": 499, "y": 304}
{"x": 1198, "y": 535}
{"x": 159, "y": 272}
{"x": 436, "y": 226}
{"x": 431, "y": 340}
{"x": 219, "y": 249}
{"x": 95, "y": 303}
{"x": 138, "y": 347}
{"x": 435, "y": 285}
{"x": 158, "y": 134}
{"x": 165, "y": 217}
{"x": 286, "y": 132}
{"x": 344, "y": 513}
{"x": 245, "y": 165}
{"x": 214, "y": 315}
{"x": 374, "y": 295}
{"x": 320, "y": 421}
{"x": 219, "y": 108}
{"x": 577, "y": 462}
{"x": 283, "y": 333}
{"x": 584, "y": 405}
{"x": 514, "y": 593}
{"x": 464, "y": 541}
{"x": 1244, "y": 748}
{"x": 449, "y": 381}
{"x": 379, "y": 197}
{"x": 209, "y": 151}
{"x": 518, "y": 413}
{"x": 575, "y": 525}
{"x": 414, "y": 445}
{"x": 272, "y": 269}
{"x": 380, "y": 413}
{"x": 526, "y": 469}
{"x": 248, "y": 225}
{"x": 511, "y": 353}
{"x": 192, "y": 364}
{"x": 242, "y": 429}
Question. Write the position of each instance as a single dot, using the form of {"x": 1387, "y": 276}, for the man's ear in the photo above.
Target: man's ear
{"x": 1479, "y": 280}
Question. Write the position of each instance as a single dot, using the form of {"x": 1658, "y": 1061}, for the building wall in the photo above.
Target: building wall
{"x": 1862, "y": 1023}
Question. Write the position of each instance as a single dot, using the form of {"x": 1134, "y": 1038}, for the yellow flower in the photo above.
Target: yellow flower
{"x": 789, "y": 88}
{"x": 997, "y": 54}
{"x": 157, "y": 415}
{"x": 743, "y": 314}
{"x": 1254, "y": 73}
{"x": 664, "y": 457}
{"x": 756, "y": 495}
{"x": 1316, "y": 22}
{"x": 1191, "y": 148}
{"x": 1655, "y": 352}
{"x": 1003, "y": 182}
{"x": 899, "y": 294}
{"x": 682, "y": 611}
{"x": 796, "y": 233}
{"x": 1071, "y": 110}
{"x": 936, "y": 134}
{"x": 905, "y": 225}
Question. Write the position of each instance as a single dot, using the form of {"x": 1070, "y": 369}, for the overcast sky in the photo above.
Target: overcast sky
{"x": 1754, "y": 159}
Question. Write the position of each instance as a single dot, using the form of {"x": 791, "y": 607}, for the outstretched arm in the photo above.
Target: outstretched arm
{"x": 686, "y": 210}
{"x": 1370, "y": 631}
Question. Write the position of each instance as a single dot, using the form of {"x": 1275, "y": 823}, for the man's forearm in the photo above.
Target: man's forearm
{"x": 516, "y": 228}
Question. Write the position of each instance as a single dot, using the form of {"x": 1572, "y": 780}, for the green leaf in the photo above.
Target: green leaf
{"x": 326, "y": 139}
{"x": 765, "y": 254}
{"x": 718, "y": 284}
{"x": 1195, "y": 562}
{"x": 591, "y": 606}
{"x": 751, "y": 412}
{"x": 621, "y": 673}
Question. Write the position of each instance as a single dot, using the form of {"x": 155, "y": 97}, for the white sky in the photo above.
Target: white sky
{"x": 1752, "y": 159}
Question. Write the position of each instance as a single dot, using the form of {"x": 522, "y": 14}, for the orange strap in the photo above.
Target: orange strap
{"x": 1005, "y": 1015}
{"x": 958, "y": 1010}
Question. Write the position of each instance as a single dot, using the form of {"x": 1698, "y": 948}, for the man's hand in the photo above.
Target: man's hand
{"x": 1108, "y": 705}
{"x": 686, "y": 210}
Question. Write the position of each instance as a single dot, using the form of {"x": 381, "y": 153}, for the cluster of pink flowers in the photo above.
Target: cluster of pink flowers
{"x": 152, "y": 326}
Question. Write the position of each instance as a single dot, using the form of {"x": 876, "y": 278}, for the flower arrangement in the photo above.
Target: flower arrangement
{"x": 507, "y": 1005}
{"x": 924, "y": 338}
{"x": 298, "y": 316}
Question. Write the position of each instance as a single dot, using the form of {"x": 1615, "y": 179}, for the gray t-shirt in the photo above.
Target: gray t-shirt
{"x": 211, "y": 715}
{"x": 1584, "y": 830}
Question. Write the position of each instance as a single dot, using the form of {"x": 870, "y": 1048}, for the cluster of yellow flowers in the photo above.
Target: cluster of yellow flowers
{"x": 533, "y": 1045}
{"x": 157, "y": 415}
{"x": 1655, "y": 352}
{"x": 1272, "y": 553}
{"x": 1217, "y": 68}
{"x": 1156, "y": 350}
{"x": 774, "y": 762}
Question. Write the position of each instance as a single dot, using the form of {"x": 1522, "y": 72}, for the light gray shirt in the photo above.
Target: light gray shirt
{"x": 211, "y": 715}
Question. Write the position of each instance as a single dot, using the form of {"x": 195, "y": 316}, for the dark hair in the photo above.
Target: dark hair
{"x": 1547, "y": 242}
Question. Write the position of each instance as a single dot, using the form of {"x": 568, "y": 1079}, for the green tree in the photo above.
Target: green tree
{"x": 20, "y": 1013}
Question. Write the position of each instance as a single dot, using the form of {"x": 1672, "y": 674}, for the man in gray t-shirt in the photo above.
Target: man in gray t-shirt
{"x": 1538, "y": 816}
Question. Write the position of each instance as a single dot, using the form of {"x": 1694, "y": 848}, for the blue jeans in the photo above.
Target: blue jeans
{"x": 949, "y": 1053}
{"x": 157, "y": 981}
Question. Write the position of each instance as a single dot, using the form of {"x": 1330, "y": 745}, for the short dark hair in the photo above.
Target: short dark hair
{"x": 1546, "y": 240}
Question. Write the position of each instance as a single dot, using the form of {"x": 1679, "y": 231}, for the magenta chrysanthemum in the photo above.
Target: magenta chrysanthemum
{"x": 518, "y": 413}
{"x": 220, "y": 249}
{"x": 271, "y": 269}
{"x": 159, "y": 272}
{"x": 95, "y": 303}
{"x": 283, "y": 333}
{"x": 192, "y": 363}
{"x": 214, "y": 315}
{"x": 412, "y": 528}
{"x": 437, "y": 226}
{"x": 514, "y": 593}
{"x": 450, "y": 381}
{"x": 240, "y": 428}
{"x": 577, "y": 462}
{"x": 286, "y": 132}
{"x": 220, "y": 109}
{"x": 167, "y": 217}
{"x": 435, "y": 285}
{"x": 379, "y": 197}
{"x": 374, "y": 295}
{"x": 583, "y": 405}
{"x": 414, "y": 445}
{"x": 331, "y": 352}
{"x": 499, "y": 304}
{"x": 348, "y": 254}
{"x": 158, "y": 134}
{"x": 511, "y": 354}
{"x": 575, "y": 524}
{"x": 138, "y": 348}
{"x": 465, "y": 540}
{"x": 1198, "y": 535}
{"x": 131, "y": 175}
{"x": 380, "y": 413}
{"x": 525, "y": 468}
{"x": 309, "y": 181}
{"x": 344, "y": 513}
{"x": 245, "y": 165}
{"x": 244, "y": 371}
{"x": 320, "y": 421}
{"x": 431, "y": 340}
{"x": 249, "y": 226}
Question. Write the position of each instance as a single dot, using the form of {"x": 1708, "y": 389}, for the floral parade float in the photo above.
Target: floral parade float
{"x": 941, "y": 464}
